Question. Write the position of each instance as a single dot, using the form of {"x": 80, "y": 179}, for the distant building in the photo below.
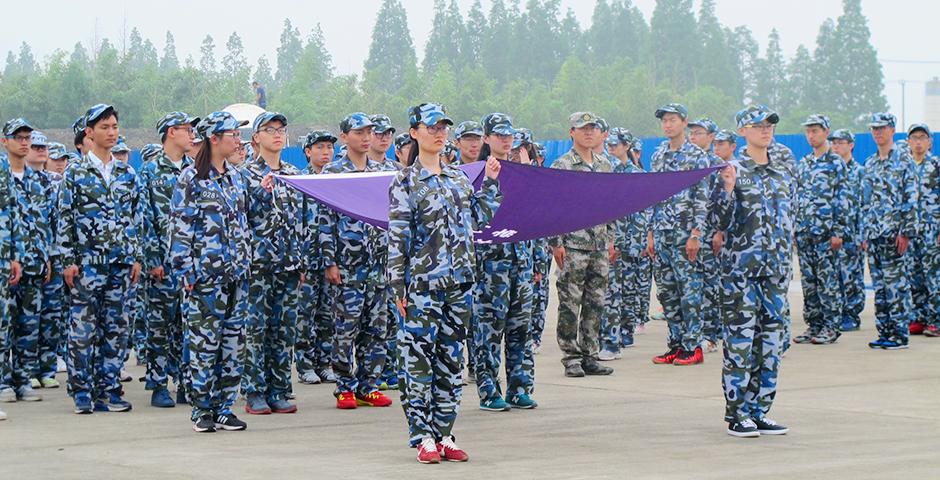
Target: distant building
{"x": 932, "y": 104}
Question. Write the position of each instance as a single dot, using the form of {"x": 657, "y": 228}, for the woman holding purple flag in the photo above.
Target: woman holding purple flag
{"x": 433, "y": 212}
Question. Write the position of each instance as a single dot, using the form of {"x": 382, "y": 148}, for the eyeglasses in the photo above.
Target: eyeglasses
{"x": 38, "y": 147}
{"x": 918, "y": 137}
{"x": 229, "y": 134}
{"x": 438, "y": 129}
{"x": 762, "y": 126}
{"x": 20, "y": 138}
{"x": 274, "y": 131}
{"x": 189, "y": 130}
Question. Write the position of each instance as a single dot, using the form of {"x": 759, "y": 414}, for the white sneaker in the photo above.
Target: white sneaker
{"x": 606, "y": 356}
{"x": 60, "y": 366}
{"x": 27, "y": 394}
{"x": 7, "y": 395}
{"x": 34, "y": 383}
{"x": 126, "y": 377}
{"x": 3, "y": 415}
{"x": 310, "y": 378}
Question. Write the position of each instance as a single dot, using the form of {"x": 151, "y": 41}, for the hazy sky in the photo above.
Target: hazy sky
{"x": 901, "y": 29}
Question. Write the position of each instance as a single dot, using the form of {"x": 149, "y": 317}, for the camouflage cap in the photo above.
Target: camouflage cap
{"x": 498, "y": 124}
{"x": 265, "y": 118}
{"x": 15, "y": 125}
{"x": 340, "y": 152}
{"x": 627, "y": 137}
{"x": 677, "y": 108}
{"x": 726, "y": 136}
{"x": 842, "y": 134}
{"x": 615, "y": 136}
{"x": 705, "y": 123}
{"x": 468, "y": 128}
{"x": 57, "y": 151}
{"x": 638, "y": 145}
{"x": 817, "y": 119}
{"x": 218, "y": 122}
{"x": 523, "y": 136}
{"x": 175, "y": 119}
{"x": 913, "y": 128}
{"x": 381, "y": 123}
{"x": 603, "y": 125}
{"x": 539, "y": 149}
{"x": 120, "y": 146}
{"x": 755, "y": 114}
{"x": 402, "y": 139}
{"x": 581, "y": 119}
{"x": 882, "y": 119}
{"x": 96, "y": 112}
{"x": 429, "y": 114}
{"x": 39, "y": 139}
{"x": 78, "y": 125}
{"x": 151, "y": 151}
{"x": 355, "y": 121}
{"x": 318, "y": 136}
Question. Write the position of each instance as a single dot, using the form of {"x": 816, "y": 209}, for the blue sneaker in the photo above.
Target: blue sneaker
{"x": 894, "y": 344}
{"x": 112, "y": 402}
{"x": 392, "y": 383}
{"x": 626, "y": 340}
{"x": 495, "y": 404}
{"x": 83, "y": 403}
{"x": 849, "y": 325}
{"x": 161, "y": 398}
{"x": 880, "y": 343}
{"x": 522, "y": 401}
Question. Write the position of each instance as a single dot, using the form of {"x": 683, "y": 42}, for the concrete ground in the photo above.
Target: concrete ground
{"x": 853, "y": 412}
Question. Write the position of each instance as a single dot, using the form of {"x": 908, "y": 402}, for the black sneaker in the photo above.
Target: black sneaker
{"x": 826, "y": 337}
{"x": 591, "y": 367}
{"x": 743, "y": 429}
{"x": 205, "y": 424}
{"x": 767, "y": 426}
{"x": 574, "y": 370}
{"x": 229, "y": 422}
{"x": 807, "y": 336}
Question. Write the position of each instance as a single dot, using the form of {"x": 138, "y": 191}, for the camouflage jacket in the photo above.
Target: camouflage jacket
{"x": 209, "y": 227}
{"x": 506, "y": 256}
{"x": 594, "y": 238}
{"x": 631, "y": 231}
{"x": 758, "y": 218}
{"x": 99, "y": 221}
{"x": 11, "y": 225}
{"x": 431, "y": 223}
{"x": 277, "y": 238}
{"x": 889, "y": 192}
{"x": 821, "y": 196}
{"x": 54, "y": 182}
{"x": 157, "y": 183}
{"x": 35, "y": 195}
{"x": 853, "y": 202}
{"x": 688, "y": 209}
{"x": 309, "y": 217}
{"x": 928, "y": 197}
{"x": 357, "y": 248}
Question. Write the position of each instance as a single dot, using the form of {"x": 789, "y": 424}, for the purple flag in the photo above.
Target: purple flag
{"x": 537, "y": 202}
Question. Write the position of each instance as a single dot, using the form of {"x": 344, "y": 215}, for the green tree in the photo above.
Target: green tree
{"x": 288, "y": 53}
{"x": 672, "y": 32}
{"x": 263, "y": 73}
{"x": 747, "y": 57}
{"x": 235, "y": 70}
{"x": 447, "y": 36}
{"x": 860, "y": 78}
{"x": 169, "y": 62}
{"x": 718, "y": 67}
{"x": 392, "y": 52}
{"x": 771, "y": 73}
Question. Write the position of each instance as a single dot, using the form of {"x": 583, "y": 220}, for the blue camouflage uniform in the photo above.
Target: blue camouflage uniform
{"x": 361, "y": 301}
{"x": 210, "y": 253}
{"x": 820, "y": 216}
{"x": 679, "y": 282}
{"x": 99, "y": 231}
{"x": 851, "y": 257}
{"x": 889, "y": 189}
{"x": 431, "y": 266}
{"x": 757, "y": 216}
{"x": 925, "y": 246}
{"x": 11, "y": 249}
{"x": 52, "y": 323}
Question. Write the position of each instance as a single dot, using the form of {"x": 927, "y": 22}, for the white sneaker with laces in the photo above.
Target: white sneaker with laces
{"x": 606, "y": 355}
{"x": 7, "y": 395}
{"x": 60, "y": 366}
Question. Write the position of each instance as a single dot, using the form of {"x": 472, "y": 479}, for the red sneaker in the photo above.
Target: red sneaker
{"x": 916, "y": 328}
{"x": 690, "y": 358}
{"x": 374, "y": 399}
{"x": 346, "y": 401}
{"x": 427, "y": 451}
{"x": 932, "y": 331}
{"x": 451, "y": 452}
{"x": 667, "y": 357}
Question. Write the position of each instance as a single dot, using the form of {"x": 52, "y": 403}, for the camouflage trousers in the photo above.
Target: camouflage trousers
{"x": 98, "y": 329}
{"x": 623, "y": 308}
{"x": 540, "y": 296}
{"x": 164, "y": 345}
{"x": 889, "y": 276}
{"x": 361, "y": 313}
{"x": 755, "y": 324}
{"x": 215, "y": 315}
{"x": 25, "y": 308}
{"x": 679, "y": 287}
{"x": 273, "y": 297}
{"x": 430, "y": 348}
{"x": 581, "y": 284}
{"x": 851, "y": 260}
{"x": 52, "y": 326}
{"x": 925, "y": 279}
{"x": 645, "y": 279}
{"x": 711, "y": 299}
{"x": 819, "y": 276}
{"x": 391, "y": 340}
{"x": 6, "y": 323}
{"x": 137, "y": 317}
{"x": 503, "y": 308}
{"x": 314, "y": 343}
